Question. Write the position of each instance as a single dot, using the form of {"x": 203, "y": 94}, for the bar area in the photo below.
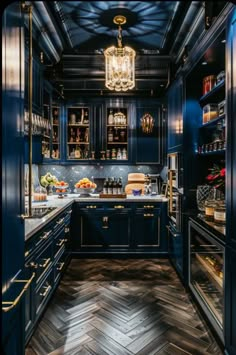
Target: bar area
{"x": 118, "y": 177}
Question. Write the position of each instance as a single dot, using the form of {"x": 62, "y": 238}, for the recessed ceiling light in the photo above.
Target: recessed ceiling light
{"x": 204, "y": 63}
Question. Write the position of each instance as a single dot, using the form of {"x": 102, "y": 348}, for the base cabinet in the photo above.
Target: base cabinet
{"x": 118, "y": 228}
{"x": 45, "y": 256}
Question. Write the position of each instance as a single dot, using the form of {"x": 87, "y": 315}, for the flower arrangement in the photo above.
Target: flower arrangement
{"x": 217, "y": 177}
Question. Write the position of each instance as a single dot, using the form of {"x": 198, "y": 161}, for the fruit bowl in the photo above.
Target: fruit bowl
{"x": 61, "y": 190}
{"x": 84, "y": 191}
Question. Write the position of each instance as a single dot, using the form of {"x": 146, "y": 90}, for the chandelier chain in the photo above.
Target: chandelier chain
{"x": 119, "y": 37}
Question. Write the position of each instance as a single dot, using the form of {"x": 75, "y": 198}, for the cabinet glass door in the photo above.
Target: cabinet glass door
{"x": 55, "y": 154}
{"x": 116, "y": 134}
{"x": 206, "y": 274}
{"x": 78, "y": 133}
{"x": 46, "y": 131}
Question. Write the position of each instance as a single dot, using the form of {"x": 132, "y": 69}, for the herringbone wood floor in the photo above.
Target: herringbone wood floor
{"x": 120, "y": 307}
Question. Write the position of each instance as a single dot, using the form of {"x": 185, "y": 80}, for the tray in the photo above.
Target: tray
{"x": 112, "y": 195}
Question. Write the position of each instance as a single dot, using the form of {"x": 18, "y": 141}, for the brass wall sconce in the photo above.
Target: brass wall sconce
{"x": 147, "y": 123}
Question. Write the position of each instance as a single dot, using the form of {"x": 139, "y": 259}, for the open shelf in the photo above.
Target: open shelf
{"x": 216, "y": 94}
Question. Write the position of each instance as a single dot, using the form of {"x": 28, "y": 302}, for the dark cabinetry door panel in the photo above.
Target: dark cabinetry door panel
{"x": 12, "y": 179}
{"x": 146, "y": 228}
{"x": 175, "y": 115}
{"x": 148, "y": 145}
{"x": 175, "y": 241}
{"x": 230, "y": 301}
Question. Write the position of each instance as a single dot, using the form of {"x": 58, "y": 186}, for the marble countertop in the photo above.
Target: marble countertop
{"x": 33, "y": 225}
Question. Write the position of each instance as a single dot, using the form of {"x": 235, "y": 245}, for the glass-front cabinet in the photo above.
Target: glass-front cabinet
{"x": 46, "y": 131}
{"x": 56, "y": 149}
{"x": 116, "y": 134}
{"x": 206, "y": 273}
{"x": 78, "y": 140}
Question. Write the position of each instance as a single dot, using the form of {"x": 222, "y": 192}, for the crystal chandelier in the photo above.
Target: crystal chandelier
{"x": 120, "y": 63}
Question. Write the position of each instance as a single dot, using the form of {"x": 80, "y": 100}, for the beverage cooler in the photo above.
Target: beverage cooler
{"x": 206, "y": 273}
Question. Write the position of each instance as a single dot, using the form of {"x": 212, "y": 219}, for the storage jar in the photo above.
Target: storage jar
{"x": 208, "y": 83}
{"x": 210, "y": 111}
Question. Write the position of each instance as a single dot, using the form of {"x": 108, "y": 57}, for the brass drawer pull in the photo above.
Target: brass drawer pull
{"x": 148, "y": 215}
{"x": 32, "y": 264}
{"x": 12, "y": 304}
{"x": 91, "y": 206}
{"x": 61, "y": 242}
{"x": 27, "y": 252}
{"x": 119, "y": 206}
{"x": 67, "y": 229}
{"x": 45, "y": 235}
{"x": 69, "y": 212}
{"x": 47, "y": 289}
{"x": 148, "y": 206}
{"x": 105, "y": 222}
{"x": 61, "y": 266}
{"x": 45, "y": 263}
{"x": 60, "y": 221}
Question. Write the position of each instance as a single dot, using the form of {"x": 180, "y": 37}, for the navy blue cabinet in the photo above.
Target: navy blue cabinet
{"x": 12, "y": 182}
{"x": 148, "y": 135}
{"x": 46, "y": 256}
{"x": 230, "y": 267}
{"x": 119, "y": 227}
{"x": 175, "y": 116}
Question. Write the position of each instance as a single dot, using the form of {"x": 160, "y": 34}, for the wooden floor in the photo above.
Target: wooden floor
{"x": 121, "y": 307}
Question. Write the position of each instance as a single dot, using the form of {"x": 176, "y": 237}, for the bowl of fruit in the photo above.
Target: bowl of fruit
{"x": 61, "y": 188}
{"x": 85, "y": 187}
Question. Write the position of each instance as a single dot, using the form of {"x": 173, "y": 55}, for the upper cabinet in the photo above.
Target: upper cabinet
{"x": 149, "y": 138}
{"x": 175, "y": 116}
{"x": 78, "y": 133}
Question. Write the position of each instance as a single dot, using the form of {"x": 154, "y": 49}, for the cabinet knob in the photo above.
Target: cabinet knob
{"x": 67, "y": 229}
{"x": 32, "y": 264}
{"x": 105, "y": 222}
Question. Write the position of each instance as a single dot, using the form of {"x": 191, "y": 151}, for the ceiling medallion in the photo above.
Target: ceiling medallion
{"x": 119, "y": 62}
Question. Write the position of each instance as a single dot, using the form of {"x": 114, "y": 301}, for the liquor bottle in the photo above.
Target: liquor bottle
{"x": 86, "y": 118}
{"x": 116, "y": 135}
{"x": 119, "y": 186}
{"x": 119, "y": 155}
{"x": 110, "y": 118}
{"x": 115, "y": 187}
{"x": 110, "y": 135}
{"x": 82, "y": 116}
{"x": 110, "y": 185}
{"x": 105, "y": 186}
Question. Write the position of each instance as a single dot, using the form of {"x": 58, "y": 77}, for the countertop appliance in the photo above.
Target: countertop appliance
{"x": 155, "y": 183}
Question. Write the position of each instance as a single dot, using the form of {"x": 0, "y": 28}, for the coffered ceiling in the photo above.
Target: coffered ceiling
{"x": 75, "y": 34}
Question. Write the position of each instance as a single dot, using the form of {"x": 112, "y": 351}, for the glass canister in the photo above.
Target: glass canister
{"x": 210, "y": 206}
{"x": 208, "y": 83}
{"x": 220, "y": 214}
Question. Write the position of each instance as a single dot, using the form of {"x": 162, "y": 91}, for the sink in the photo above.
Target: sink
{"x": 40, "y": 211}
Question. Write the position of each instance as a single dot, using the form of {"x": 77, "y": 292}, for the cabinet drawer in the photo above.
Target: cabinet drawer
{"x": 59, "y": 266}
{"x": 44, "y": 262}
{"x": 43, "y": 292}
{"x": 60, "y": 241}
{"x": 38, "y": 241}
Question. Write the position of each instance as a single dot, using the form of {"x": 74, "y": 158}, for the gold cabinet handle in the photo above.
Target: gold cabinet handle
{"x": 60, "y": 267}
{"x": 61, "y": 242}
{"x": 69, "y": 212}
{"x": 119, "y": 206}
{"x": 45, "y": 263}
{"x": 60, "y": 221}
{"x": 27, "y": 252}
{"x": 32, "y": 264}
{"x": 12, "y": 304}
{"x": 105, "y": 222}
{"x": 91, "y": 206}
{"x": 148, "y": 215}
{"x": 67, "y": 229}
{"x": 47, "y": 289}
{"x": 148, "y": 206}
{"x": 45, "y": 235}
